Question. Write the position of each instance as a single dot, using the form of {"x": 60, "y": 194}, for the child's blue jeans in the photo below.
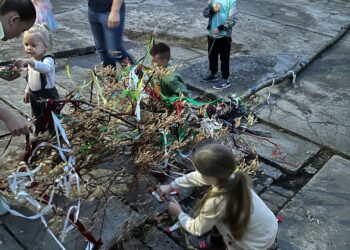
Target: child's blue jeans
{"x": 108, "y": 42}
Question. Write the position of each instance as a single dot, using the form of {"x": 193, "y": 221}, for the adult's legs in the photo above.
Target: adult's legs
{"x": 225, "y": 50}
{"x": 97, "y": 30}
{"x": 114, "y": 39}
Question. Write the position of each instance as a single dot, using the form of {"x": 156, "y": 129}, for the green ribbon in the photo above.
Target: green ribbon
{"x": 171, "y": 100}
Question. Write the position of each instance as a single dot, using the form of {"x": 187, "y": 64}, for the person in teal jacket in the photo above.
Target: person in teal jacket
{"x": 171, "y": 84}
{"x": 222, "y": 15}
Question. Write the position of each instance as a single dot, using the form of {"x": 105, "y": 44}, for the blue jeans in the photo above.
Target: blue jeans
{"x": 108, "y": 42}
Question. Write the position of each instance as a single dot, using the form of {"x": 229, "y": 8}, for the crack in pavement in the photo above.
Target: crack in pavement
{"x": 305, "y": 120}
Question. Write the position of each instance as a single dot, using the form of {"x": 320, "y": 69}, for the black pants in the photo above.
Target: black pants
{"x": 38, "y": 108}
{"x": 222, "y": 47}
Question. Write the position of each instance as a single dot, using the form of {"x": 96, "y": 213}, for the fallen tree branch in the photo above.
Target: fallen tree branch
{"x": 298, "y": 67}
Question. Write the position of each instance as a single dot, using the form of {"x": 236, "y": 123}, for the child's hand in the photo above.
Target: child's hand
{"x": 215, "y": 32}
{"x": 26, "y": 98}
{"x": 24, "y": 62}
{"x": 217, "y": 7}
{"x": 164, "y": 190}
{"x": 174, "y": 207}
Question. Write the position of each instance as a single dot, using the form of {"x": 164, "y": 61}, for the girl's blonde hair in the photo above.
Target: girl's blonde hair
{"x": 215, "y": 160}
{"x": 43, "y": 31}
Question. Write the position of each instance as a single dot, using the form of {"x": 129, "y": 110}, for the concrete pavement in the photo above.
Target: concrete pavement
{"x": 318, "y": 216}
{"x": 317, "y": 106}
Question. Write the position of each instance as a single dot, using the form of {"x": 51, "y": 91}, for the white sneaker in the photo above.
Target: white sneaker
{"x": 225, "y": 83}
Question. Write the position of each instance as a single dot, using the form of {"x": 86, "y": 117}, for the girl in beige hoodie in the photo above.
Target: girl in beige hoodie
{"x": 241, "y": 217}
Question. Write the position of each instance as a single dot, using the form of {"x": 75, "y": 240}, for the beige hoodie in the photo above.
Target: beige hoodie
{"x": 262, "y": 227}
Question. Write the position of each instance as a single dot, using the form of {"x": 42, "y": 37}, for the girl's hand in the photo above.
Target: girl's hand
{"x": 164, "y": 190}
{"x": 113, "y": 20}
{"x": 26, "y": 98}
{"x": 24, "y": 62}
{"x": 174, "y": 208}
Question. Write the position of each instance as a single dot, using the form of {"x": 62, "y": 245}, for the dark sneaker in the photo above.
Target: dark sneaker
{"x": 210, "y": 78}
{"x": 222, "y": 84}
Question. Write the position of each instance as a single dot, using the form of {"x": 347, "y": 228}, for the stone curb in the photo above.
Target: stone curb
{"x": 66, "y": 53}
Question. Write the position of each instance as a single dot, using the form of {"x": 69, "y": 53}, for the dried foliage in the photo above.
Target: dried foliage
{"x": 103, "y": 128}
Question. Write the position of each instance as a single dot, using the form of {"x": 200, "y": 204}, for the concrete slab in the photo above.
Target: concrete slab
{"x": 265, "y": 176}
{"x": 74, "y": 239}
{"x": 137, "y": 49}
{"x": 319, "y": 17}
{"x": 258, "y": 188}
{"x": 139, "y": 195}
{"x": 273, "y": 208}
{"x": 109, "y": 221}
{"x": 280, "y": 190}
{"x": 274, "y": 198}
{"x": 134, "y": 244}
{"x": 12, "y": 155}
{"x": 13, "y": 92}
{"x": 63, "y": 6}
{"x": 7, "y": 241}
{"x": 318, "y": 216}
{"x": 155, "y": 240}
{"x": 258, "y": 36}
{"x": 31, "y": 233}
{"x": 78, "y": 75}
{"x": 270, "y": 171}
{"x": 317, "y": 107}
{"x": 116, "y": 219}
{"x": 159, "y": 16}
{"x": 293, "y": 153}
{"x": 253, "y": 34}
{"x": 88, "y": 61}
{"x": 245, "y": 71}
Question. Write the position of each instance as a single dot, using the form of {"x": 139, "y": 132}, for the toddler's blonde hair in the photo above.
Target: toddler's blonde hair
{"x": 43, "y": 31}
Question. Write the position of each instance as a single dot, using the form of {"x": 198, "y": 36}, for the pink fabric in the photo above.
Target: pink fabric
{"x": 44, "y": 14}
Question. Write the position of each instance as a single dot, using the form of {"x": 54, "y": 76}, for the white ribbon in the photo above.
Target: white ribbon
{"x": 294, "y": 76}
{"x": 138, "y": 108}
{"x": 166, "y": 151}
{"x": 19, "y": 181}
{"x": 210, "y": 125}
{"x": 268, "y": 97}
